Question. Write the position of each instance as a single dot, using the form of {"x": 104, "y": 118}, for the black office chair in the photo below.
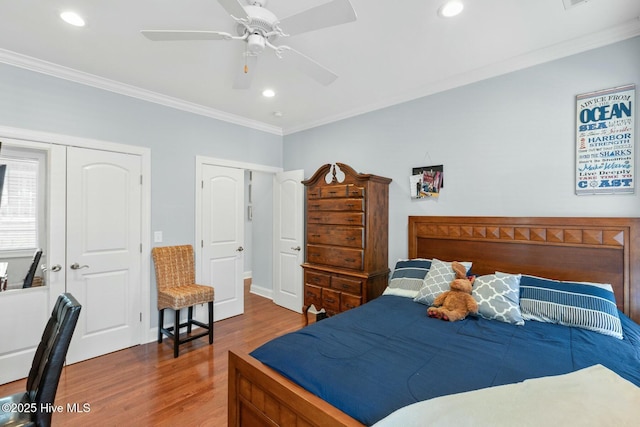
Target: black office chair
{"x": 31, "y": 273}
{"x": 42, "y": 382}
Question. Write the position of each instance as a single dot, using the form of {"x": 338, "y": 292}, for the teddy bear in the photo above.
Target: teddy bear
{"x": 457, "y": 302}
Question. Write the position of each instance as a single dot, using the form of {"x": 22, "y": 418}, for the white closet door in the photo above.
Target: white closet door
{"x": 103, "y": 250}
{"x": 24, "y": 313}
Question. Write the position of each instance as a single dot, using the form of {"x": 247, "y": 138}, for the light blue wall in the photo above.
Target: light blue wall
{"x": 507, "y": 143}
{"x": 36, "y": 101}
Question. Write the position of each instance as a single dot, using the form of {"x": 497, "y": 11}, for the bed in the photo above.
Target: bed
{"x": 598, "y": 250}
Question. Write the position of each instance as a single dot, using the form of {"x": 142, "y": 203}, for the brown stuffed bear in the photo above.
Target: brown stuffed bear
{"x": 456, "y": 303}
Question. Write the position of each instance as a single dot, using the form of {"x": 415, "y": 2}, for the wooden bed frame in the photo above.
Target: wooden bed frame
{"x": 605, "y": 250}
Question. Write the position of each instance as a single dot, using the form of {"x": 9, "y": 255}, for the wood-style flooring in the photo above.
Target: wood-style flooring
{"x": 146, "y": 386}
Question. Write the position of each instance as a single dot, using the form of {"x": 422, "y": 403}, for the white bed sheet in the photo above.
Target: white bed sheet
{"x": 594, "y": 396}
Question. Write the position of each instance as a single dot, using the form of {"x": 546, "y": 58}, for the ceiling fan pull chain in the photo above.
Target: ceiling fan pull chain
{"x": 246, "y": 66}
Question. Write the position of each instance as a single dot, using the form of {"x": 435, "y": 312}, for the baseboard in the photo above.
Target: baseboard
{"x": 263, "y": 292}
{"x": 152, "y": 335}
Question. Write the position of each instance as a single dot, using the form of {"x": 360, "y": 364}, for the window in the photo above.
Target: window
{"x": 22, "y": 205}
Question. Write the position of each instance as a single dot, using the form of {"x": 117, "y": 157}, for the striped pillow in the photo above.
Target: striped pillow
{"x": 584, "y": 305}
{"x": 407, "y": 277}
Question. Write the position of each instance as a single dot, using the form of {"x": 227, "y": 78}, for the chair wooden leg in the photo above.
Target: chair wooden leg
{"x": 210, "y": 322}
{"x": 176, "y": 333}
{"x": 189, "y": 319}
{"x": 160, "y": 324}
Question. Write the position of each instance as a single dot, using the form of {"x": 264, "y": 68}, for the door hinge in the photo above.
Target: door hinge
{"x": 202, "y": 184}
{"x": 141, "y": 316}
{"x": 140, "y": 179}
{"x": 202, "y": 243}
{"x": 140, "y": 247}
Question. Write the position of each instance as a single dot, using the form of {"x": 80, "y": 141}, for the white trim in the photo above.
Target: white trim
{"x": 247, "y": 275}
{"x": 145, "y": 235}
{"x": 236, "y": 164}
{"x": 61, "y": 72}
{"x": 260, "y": 291}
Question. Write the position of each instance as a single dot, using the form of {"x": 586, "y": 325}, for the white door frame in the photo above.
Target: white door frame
{"x": 204, "y": 160}
{"x": 146, "y": 335}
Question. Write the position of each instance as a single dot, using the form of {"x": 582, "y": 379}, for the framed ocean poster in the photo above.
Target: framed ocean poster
{"x": 605, "y": 141}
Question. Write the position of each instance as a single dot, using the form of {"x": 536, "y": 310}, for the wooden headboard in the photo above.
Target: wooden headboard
{"x": 603, "y": 250}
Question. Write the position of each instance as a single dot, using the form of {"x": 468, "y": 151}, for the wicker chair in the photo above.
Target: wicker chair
{"x": 175, "y": 279}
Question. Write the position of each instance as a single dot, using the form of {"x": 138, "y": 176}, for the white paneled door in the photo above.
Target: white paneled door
{"x": 222, "y": 260}
{"x": 288, "y": 240}
{"x": 103, "y": 249}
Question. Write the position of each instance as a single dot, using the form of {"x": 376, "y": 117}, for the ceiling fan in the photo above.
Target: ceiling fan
{"x": 258, "y": 28}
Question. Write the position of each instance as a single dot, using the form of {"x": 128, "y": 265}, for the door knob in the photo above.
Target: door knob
{"x": 240, "y": 249}
{"x": 297, "y": 248}
{"x": 76, "y": 266}
{"x": 56, "y": 267}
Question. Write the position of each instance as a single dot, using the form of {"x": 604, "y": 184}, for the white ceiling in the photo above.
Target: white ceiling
{"x": 395, "y": 51}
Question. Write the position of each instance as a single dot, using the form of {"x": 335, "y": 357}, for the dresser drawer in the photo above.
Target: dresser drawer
{"x": 335, "y": 235}
{"x": 332, "y": 191}
{"x": 355, "y": 191}
{"x": 351, "y": 285}
{"x": 339, "y": 257}
{"x": 348, "y": 302}
{"x": 336, "y": 205}
{"x": 317, "y": 279}
{"x": 313, "y": 295}
{"x": 336, "y": 218}
{"x": 313, "y": 193}
{"x": 331, "y": 300}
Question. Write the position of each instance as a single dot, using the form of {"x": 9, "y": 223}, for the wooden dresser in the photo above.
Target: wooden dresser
{"x": 347, "y": 239}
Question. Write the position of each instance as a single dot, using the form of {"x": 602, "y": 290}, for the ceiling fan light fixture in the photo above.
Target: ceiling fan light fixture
{"x": 72, "y": 18}
{"x": 451, "y": 8}
{"x": 268, "y": 93}
{"x": 255, "y": 43}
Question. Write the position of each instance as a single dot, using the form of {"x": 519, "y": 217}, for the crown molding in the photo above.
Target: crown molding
{"x": 59, "y": 71}
{"x": 622, "y": 32}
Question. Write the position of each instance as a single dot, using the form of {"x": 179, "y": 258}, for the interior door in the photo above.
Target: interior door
{"x": 222, "y": 260}
{"x": 24, "y": 313}
{"x": 288, "y": 205}
{"x": 103, "y": 249}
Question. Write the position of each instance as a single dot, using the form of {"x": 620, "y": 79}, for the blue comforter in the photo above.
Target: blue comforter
{"x": 387, "y": 354}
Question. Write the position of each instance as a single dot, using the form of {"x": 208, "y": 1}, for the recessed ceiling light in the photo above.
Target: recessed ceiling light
{"x": 268, "y": 93}
{"x": 451, "y": 8}
{"x": 72, "y": 18}
{"x": 278, "y": 114}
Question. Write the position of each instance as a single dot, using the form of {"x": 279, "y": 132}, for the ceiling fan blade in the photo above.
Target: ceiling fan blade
{"x": 176, "y": 35}
{"x": 308, "y": 66}
{"x": 326, "y": 15}
{"x": 234, "y": 8}
{"x": 247, "y": 71}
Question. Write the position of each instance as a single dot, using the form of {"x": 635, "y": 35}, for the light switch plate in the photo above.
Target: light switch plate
{"x": 157, "y": 236}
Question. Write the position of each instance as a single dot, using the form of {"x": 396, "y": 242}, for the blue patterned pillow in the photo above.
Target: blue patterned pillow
{"x": 407, "y": 277}
{"x": 437, "y": 281}
{"x": 585, "y": 305}
{"x": 498, "y": 297}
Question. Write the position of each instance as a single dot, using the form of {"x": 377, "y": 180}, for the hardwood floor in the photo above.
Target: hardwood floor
{"x": 145, "y": 385}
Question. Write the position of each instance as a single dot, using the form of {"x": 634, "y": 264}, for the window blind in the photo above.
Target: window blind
{"x": 19, "y": 207}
